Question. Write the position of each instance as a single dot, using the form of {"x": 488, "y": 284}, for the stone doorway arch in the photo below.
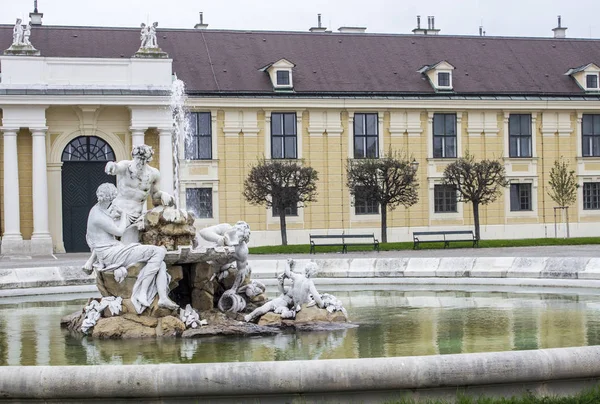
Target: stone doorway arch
{"x": 83, "y": 161}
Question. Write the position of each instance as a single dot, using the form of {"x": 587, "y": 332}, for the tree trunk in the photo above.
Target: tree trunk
{"x": 282, "y": 226}
{"x": 476, "y": 219}
{"x": 383, "y": 223}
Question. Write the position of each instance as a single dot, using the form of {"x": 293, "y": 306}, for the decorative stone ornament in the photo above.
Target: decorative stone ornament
{"x": 149, "y": 45}
{"x": 21, "y": 44}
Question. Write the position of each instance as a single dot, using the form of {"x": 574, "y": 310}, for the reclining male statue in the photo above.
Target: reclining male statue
{"x": 290, "y": 301}
{"x": 107, "y": 221}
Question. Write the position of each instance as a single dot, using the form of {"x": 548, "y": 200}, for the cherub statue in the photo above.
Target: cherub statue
{"x": 144, "y": 36}
{"x": 151, "y": 42}
{"x": 27, "y": 34}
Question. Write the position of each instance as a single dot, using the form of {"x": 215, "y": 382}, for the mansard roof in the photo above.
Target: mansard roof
{"x": 337, "y": 64}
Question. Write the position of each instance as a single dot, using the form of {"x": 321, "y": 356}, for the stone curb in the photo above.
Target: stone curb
{"x": 321, "y": 377}
{"x": 558, "y": 268}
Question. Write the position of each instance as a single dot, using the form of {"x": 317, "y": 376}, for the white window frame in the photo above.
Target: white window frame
{"x": 437, "y": 79}
{"x": 201, "y": 222}
{"x": 534, "y": 198}
{"x": 597, "y": 75}
{"x": 436, "y": 216}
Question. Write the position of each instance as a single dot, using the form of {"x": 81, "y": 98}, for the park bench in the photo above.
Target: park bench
{"x": 445, "y": 237}
{"x": 342, "y": 240}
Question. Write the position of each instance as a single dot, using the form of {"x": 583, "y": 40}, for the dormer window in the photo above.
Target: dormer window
{"x": 281, "y": 74}
{"x": 586, "y": 76}
{"x": 444, "y": 79}
{"x": 283, "y": 78}
{"x": 439, "y": 75}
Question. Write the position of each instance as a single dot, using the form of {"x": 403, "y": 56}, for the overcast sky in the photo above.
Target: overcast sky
{"x": 453, "y": 17}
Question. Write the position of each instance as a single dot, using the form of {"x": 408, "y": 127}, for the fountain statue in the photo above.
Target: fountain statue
{"x": 159, "y": 276}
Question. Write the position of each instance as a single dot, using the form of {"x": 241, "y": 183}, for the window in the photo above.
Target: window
{"x": 443, "y": 79}
{"x": 520, "y": 197}
{"x": 444, "y": 135}
{"x": 591, "y": 81}
{"x": 289, "y": 210}
{"x": 283, "y": 135}
{"x": 591, "y": 135}
{"x": 519, "y": 135}
{"x": 199, "y": 201}
{"x": 283, "y": 78}
{"x": 365, "y": 206}
{"x": 366, "y": 136}
{"x": 199, "y": 145}
{"x": 444, "y": 199}
{"x": 591, "y": 195}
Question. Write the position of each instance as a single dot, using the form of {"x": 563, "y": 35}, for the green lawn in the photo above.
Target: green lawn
{"x": 530, "y": 242}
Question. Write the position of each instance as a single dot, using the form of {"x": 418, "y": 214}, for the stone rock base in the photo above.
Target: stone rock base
{"x": 128, "y": 326}
{"x": 309, "y": 318}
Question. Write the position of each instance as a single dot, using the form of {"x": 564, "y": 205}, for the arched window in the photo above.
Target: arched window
{"x": 88, "y": 148}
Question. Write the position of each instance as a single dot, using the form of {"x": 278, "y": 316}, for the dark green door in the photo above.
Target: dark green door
{"x": 84, "y": 160}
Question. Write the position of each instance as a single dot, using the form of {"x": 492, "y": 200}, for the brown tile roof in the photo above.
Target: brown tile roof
{"x": 337, "y": 63}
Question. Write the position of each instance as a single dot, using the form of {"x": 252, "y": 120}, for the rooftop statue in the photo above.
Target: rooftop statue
{"x": 106, "y": 222}
{"x": 21, "y": 43}
{"x": 136, "y": 181}
{"x": 148, "y": 42}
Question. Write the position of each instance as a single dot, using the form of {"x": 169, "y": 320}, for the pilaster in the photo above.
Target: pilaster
{"x": 41, "y": 241}
{"x": 165, "y": 163}
{"x": 12, "y": 240}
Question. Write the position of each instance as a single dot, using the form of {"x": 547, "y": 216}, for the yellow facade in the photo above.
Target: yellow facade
{"x": 328, "y": 153}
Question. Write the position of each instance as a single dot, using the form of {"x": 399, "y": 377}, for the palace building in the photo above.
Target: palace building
{"x": 320, "y": 96}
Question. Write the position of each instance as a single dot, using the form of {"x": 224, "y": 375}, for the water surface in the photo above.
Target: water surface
{"x": 397, "y": 321}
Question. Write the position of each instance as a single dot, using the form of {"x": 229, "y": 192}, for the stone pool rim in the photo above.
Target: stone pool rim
{"x": 547, "y": 369}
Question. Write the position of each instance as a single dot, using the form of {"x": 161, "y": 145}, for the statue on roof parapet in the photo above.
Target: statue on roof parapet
{"x": 149, "y": 45}
{"x": 21, "y": 45}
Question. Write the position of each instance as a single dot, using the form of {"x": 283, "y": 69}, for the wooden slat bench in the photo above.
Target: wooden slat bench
{"x": 443, "y": 237}
{"x": 344, "y": 240}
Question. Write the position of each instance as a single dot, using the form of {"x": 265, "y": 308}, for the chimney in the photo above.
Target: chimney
{"x": 431, "y": 30}
{"x": 36, "y": 17}
{"x": 201, "y": 25}
{"x": 352, "y": 30}
{"x": 319, "y": 27}
{"x": 560, "y": 31}
{"x": 480, "y": 30}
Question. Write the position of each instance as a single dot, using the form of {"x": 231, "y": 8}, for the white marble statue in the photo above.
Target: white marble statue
{"x": 27, "y": 34}
{"x": 148, "y": 36}
{"x": 106, "y": 221}
{"x": 17, "y": 33}
{"x": 152, "y": 42}
{"x": 290, "y": 300}
{"x": 225, "y": 234}
{"x": 136, "y": 181}
{"x": 144, "y": 36}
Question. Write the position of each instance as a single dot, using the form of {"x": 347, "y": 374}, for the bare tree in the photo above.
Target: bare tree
{"x": 281, "y": 185}
{"x": 563, "y": 188}
{"x": 389, "y": 181}
{"x": 478, "y": 182}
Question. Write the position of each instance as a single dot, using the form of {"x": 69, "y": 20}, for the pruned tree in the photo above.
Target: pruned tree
{"x": 478, "y": 182}
{"x": 389, "y": 181}
{"x": 563, "y": 187}
{"x": 281, "y": 185}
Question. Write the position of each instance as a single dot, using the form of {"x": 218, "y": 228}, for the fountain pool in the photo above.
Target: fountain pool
{"x": 394, "y": 321}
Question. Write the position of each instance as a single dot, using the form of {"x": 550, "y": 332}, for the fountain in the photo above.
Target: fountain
{"x": 179, "y": 282}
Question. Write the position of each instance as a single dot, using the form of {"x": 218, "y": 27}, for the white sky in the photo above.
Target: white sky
{"x": 453, "y": 17}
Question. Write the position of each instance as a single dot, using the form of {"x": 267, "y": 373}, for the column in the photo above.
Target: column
{"x": 12, "y": 241}
{"x": 165, "y": 163}
{"x": 41, "y": 241}
{"x": 137, "y": 136}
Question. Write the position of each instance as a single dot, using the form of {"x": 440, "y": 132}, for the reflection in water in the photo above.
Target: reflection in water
{"x": 392, "y": 323}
